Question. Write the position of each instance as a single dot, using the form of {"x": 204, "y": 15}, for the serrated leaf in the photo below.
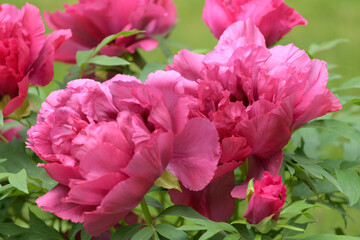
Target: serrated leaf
{"x": 144, "y": 234}
{"x": 350, "y": 184}
{"x": 18, "y": 180}
{"x": 336, "y": 126}
{"x": 126, "y": 232}
{"x": 330, "y": 237}
{"x": 315, "y": 48}
{"x": 104, "y": 60}
{"x": 171, "y": 232}
{"x": 41, "y": 230}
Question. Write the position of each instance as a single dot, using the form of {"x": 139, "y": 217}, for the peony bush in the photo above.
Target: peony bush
{"x": 233, "y": 142}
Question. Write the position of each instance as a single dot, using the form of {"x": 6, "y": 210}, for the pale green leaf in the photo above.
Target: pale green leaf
{"x": 144, "y": 234}
{"x": 330, "y": 237}
{"x": 350, "y": 184}
{"x": 315, "y": 48}
{"x": 18, "y": 180}
{"x": 336, "y": 126}
{"x": 104, "y": 60}
{"x": 171, "y": 232}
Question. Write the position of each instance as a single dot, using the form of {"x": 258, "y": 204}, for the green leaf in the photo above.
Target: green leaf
{"x": 18, "y": 180}
{"x": 168, "y": 181}
{"x": 290, "y": 227}
{"x": 192, "y": 228}
{"x": 171, "y": 232}
{"x": 104, "y": 60}
{"x": 111, "y": 38}
{"x": 350, "y": 84}
{"x": 191, "y": 215}
{"x": 76, "y": 227}
{"x": 83, "y": 56}
{"x": 84, "y": 235}
{"x": 301, "y": 174}
{"x": 182, "y": 211}
{"x": 315, "y": 48}
{"x": 336, "y": 126}
{"x": 144, "y": 234}
{"x": 153, "y": 202}
{"x": 11, "y": 229}
{"x": 233, "y": 236}
{"x": 149, "y": 68}
{"x": 330, "y": 237}
{"x": 41, "y": 230}
{"x": 296, "y": 208}
{"x": 126, "y": 232}
{"x": 350, "y": 183}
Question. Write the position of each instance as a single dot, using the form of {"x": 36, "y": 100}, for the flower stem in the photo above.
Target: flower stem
{"x": 2, "y": 138}
{"x": 146, "y": 212}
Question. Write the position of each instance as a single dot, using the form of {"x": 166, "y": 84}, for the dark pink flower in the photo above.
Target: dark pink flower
{"x": 93, "y": 20}
{"x": 268, "y": 199}
{"x": 26, "y": 55}
{"x": 255, "y": 97}
{"x": 12, "y": 132}
{"x": 107, "y": 143}
{"x": 273, "y": 17}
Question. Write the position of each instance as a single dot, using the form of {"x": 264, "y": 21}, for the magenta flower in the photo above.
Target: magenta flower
{"x": 268, "y": 199}
{"x": 255, "y": 97}
{"x": 107, "y": 143}
{"x": 27, "y": 56}
{"x": 93, "y": 20}
{"x": 273, "y": 17}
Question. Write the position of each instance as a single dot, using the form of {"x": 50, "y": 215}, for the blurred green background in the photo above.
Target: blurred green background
{"x": 327, "y": 20}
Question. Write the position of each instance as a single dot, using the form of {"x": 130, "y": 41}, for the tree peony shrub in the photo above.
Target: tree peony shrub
{"x": 255, "y": 97}
{"x": 93, "y": 20}
{"x": 106, "y": 144}
{"x": 267, "y": 199}
{"x": 26, "y": 55}
{"x": 273, "y": 17}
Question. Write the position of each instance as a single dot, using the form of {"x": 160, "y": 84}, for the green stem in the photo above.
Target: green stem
{"x": 236, "y": 213}
{"x": 2, "y": 138}
{"x": 146, "y": 212}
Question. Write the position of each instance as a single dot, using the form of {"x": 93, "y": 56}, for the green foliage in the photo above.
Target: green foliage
{"x": 126, "y": 232}
{"x": 316, "y": 48}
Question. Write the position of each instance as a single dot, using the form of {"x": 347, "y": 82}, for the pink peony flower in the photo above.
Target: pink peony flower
{"x": 273, "y": 17}
{"x": 93, "y": 20}
{"x": 255, "y": 97}
{"x": 27, "y": 56}
{"x": 268, "y": 199}
{"x": 12, "y": 132}
{"x": 107, "y": 143}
